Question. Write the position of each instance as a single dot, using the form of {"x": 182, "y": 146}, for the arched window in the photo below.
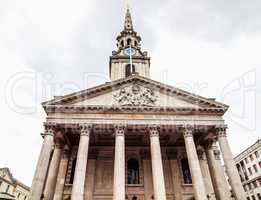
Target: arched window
{"x": 122, "y": 43}
{"x": 186, "y": 172}
{"x": 129, "y": 42}
{"x": 133, "y": 171}
{"x": 129, "y": 70}
{"x": 72, "y": 171}
{"x": 136, "y": 43}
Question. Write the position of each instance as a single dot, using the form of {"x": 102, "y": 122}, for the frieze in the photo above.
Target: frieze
{"x": 135, "y": 95}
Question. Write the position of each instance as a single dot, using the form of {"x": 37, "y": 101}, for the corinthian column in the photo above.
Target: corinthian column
{"x": 53, "y": 172}
{"x": 194, "y": 166}
{"x": 231, "y": 169}
{"x": 81, "y": 163}
{"x": 217, "y": 172}
{"x": 157, "y": 170}
{"x": 43, "y": 163}
{"x": 119, "y": 164}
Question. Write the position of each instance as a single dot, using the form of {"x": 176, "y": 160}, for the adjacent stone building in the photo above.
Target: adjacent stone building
{"x": 11, "y": 188}
{"x": 134, "y": 138}
{"x": 249, "y": 167}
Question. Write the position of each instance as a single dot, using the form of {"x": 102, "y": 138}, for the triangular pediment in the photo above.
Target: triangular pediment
{"x": 136, "y": 91}
{"x": 6, "y": 174}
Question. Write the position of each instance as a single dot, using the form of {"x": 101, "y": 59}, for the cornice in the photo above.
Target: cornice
{"x": 131, "y": 109}
{"x": 248, "y": 151}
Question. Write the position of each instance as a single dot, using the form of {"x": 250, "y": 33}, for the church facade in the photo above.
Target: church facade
{"x": 134, "y": 138}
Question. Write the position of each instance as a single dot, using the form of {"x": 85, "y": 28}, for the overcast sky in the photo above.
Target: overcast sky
{"x": 54, "y": 47}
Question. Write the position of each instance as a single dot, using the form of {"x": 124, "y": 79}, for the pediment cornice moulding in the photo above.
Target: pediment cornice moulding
{"x": 209, "y": 105}
{"x": 131, "y": 109}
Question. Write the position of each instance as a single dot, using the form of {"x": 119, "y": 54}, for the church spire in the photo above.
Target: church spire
{"x": 128, "y": 21}
{"x": 129, "y": 58}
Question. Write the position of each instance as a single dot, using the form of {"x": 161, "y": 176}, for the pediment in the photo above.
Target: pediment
{"x": 136, "y": 91}
{"x": 135, "y": 94}
{"x": 6, "y": 174}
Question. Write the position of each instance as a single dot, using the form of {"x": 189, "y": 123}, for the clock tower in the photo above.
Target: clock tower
{"x": 129, "y": 59}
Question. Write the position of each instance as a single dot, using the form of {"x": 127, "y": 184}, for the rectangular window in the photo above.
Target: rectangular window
{"x": 250, "y": 170}
{"x": 245, "y": 188}
{"x": 253, "y": 197}
{"x": 249, "y": 186}
{"x": 259, "y": 164}
{"x": 255, "y": 168}
{"x": 257, "y": 154}
{"x": 248, "y": 198}
{"x": 255, "y": 184}
{"x": 246, "y": 160}
{"x": 259, "y": 196}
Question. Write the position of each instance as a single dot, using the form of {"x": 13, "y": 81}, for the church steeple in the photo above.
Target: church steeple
{"x": 128, "y": 58}
{"x": 128, "y": 21}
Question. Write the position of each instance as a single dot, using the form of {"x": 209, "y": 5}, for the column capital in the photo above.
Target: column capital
{"x": 221, "y": 131}
{"x": 154, "y": 130}
{"x": 208, "y": 145}
{"x": 217, "y": 154}
{"x": 201, "y": 154}
{"x": 187, "y": 130}
{"x": 119, "y": 129}
{"x": 85, "y": 129}
{"x": 49, "y": 129}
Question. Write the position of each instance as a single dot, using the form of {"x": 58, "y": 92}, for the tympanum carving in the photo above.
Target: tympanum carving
{"x": 135, "y": 95}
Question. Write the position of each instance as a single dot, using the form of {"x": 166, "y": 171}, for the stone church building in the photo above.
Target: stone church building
{"x": 134, "y": 138}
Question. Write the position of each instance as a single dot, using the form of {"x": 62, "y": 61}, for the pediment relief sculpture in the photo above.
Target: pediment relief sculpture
{"x": 135, "y": 95}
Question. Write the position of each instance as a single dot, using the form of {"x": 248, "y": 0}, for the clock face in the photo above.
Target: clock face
{"x": 130, "y": 51}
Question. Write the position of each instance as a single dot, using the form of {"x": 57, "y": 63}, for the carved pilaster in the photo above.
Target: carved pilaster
{"x": 221, "y": 131}
{"x": 154, "y": 130}
{"x": 85, "y": 129}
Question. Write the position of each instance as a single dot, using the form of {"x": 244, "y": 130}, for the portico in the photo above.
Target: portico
{"x": 158, "y": 139}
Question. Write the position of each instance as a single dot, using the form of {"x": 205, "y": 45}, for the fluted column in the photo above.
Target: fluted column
{"x": 157, "y": 169}
{"x": 119, "y": 164}
{"x": 231, "y": 169}
{"x": 58, "y": 195}
{"x": 43, "y": 163}
{"x": 81, "y": 163}
{"x": 53, "y": 172}
{"x": 217, "y": 172}
{"x": 197, "y": 179}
